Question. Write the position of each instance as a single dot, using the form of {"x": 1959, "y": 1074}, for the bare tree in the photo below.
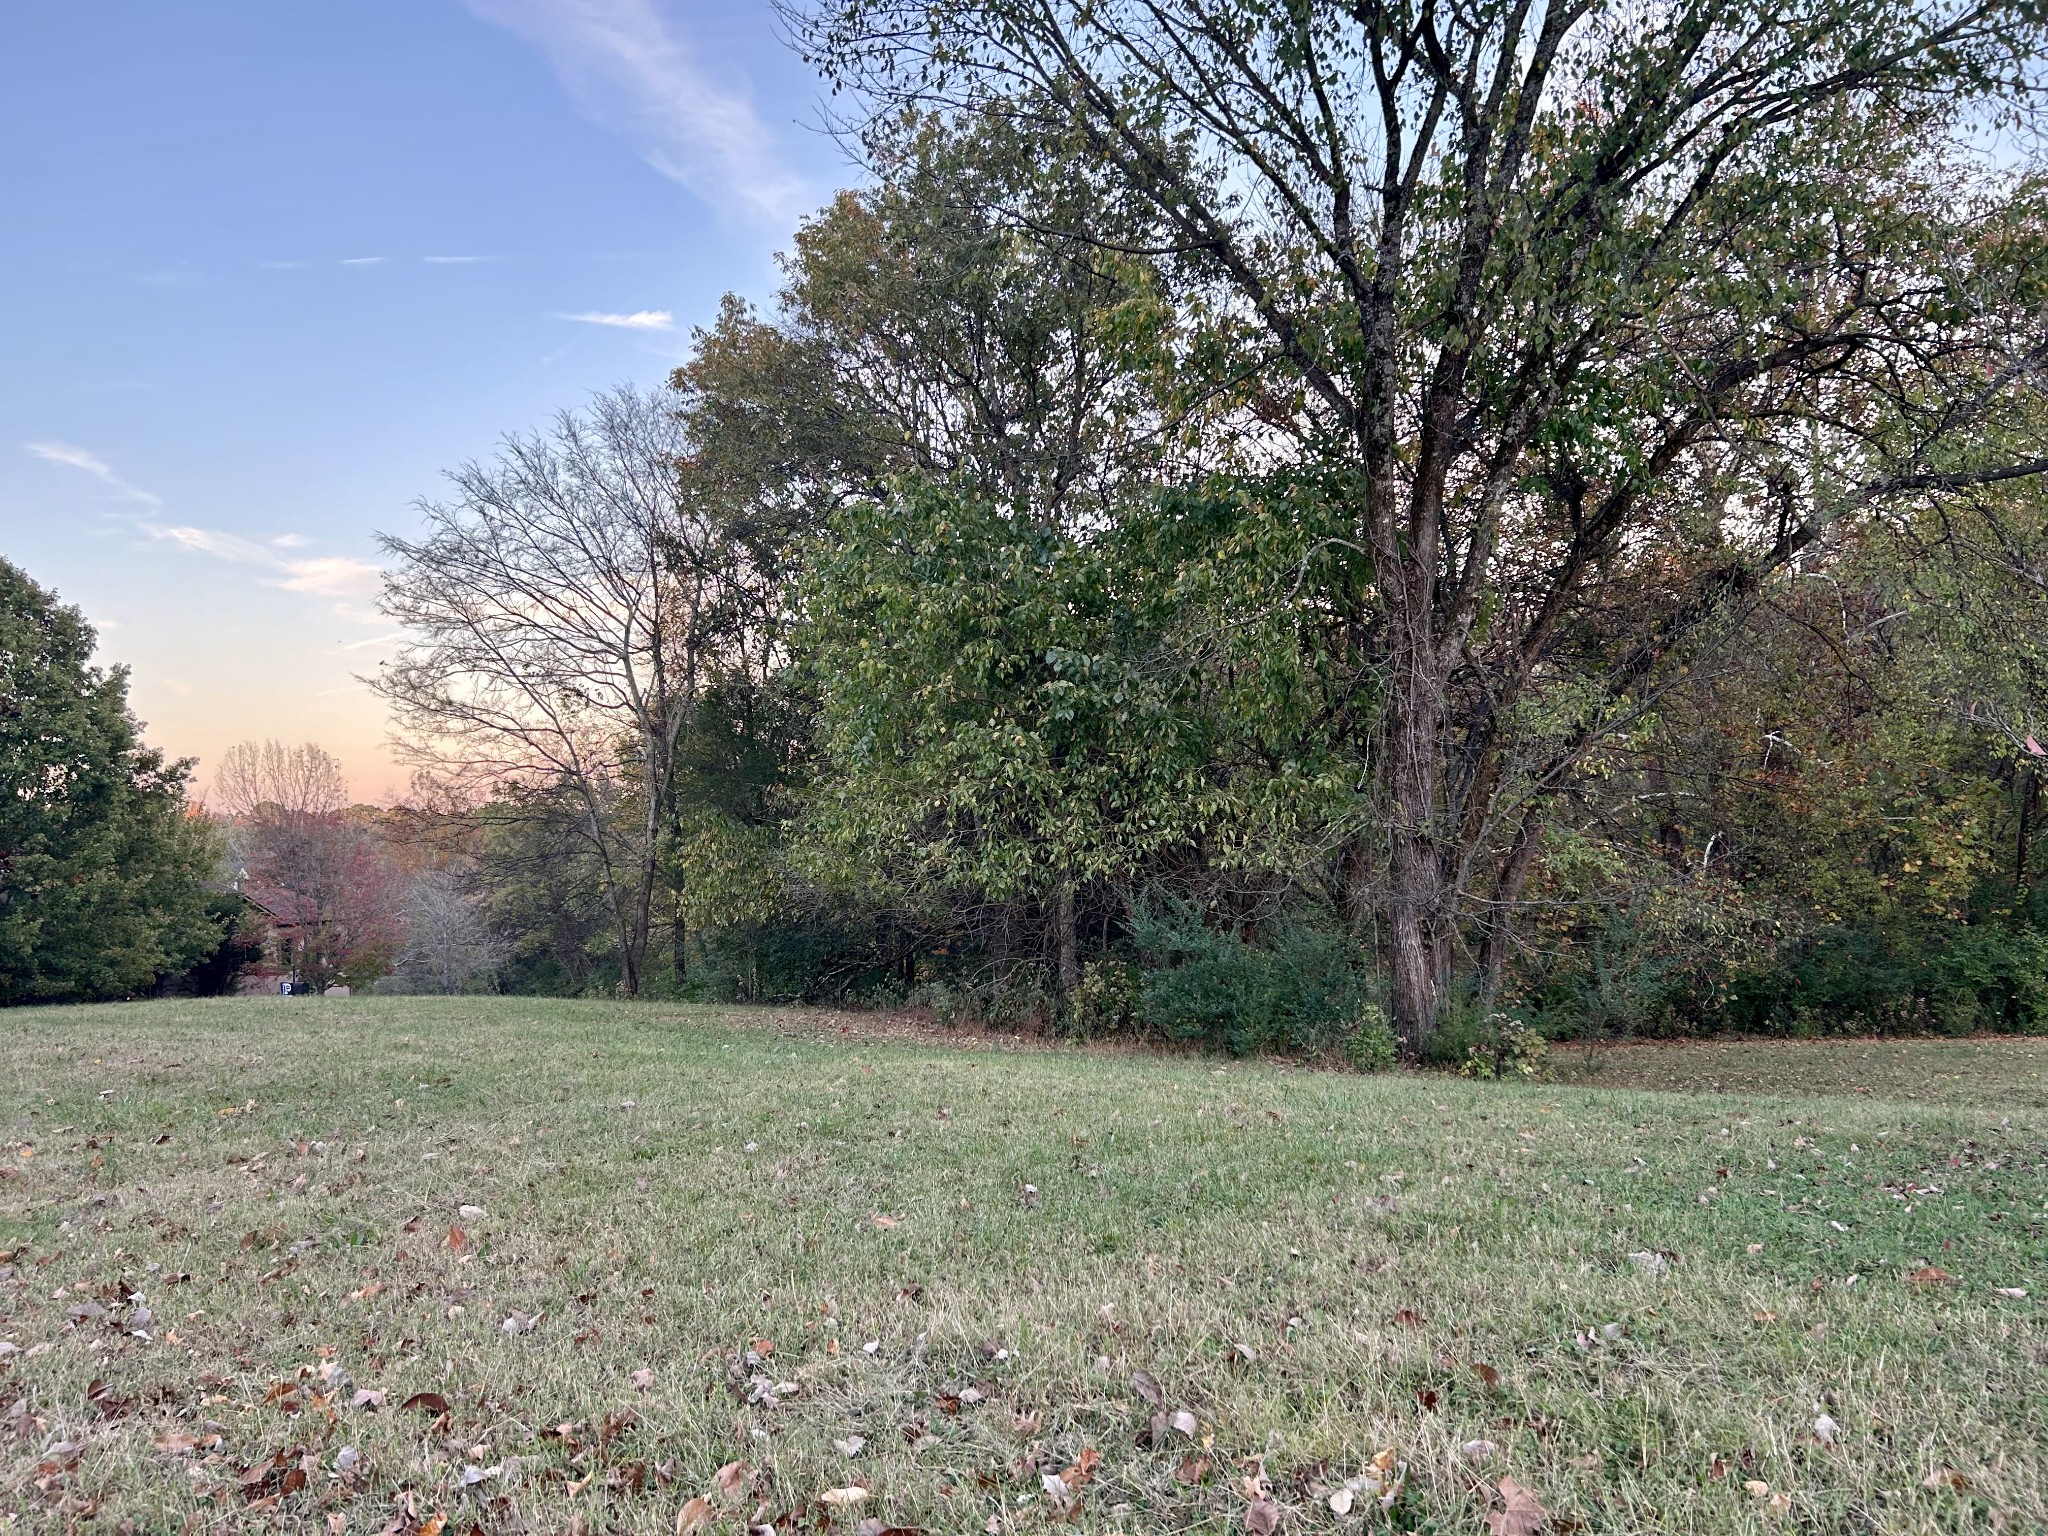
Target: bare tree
{"x": 565, "y": 609}
{"x": 448, "y": 945}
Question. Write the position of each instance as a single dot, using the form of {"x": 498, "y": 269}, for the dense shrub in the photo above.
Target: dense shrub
{"x": 1371, "y": 1045}
{"x": 1950, "y": 978}
{"x": 1293, "y": 988}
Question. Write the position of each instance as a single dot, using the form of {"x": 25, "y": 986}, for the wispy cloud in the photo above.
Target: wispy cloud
{"x": 639, "y": 320}
{"x": 331, "y": 576}
{"x": 362, "y": 261}
{"x": 362, "y": 645}
{"x": 452, "y": 261}
{"x": 337, "y": 576}
{"x": 209, "y": 541}
{"x": 72, "y": 457}
{"x": 628, "y": 72}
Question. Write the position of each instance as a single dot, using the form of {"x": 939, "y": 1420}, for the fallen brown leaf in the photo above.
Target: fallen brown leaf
{"x": 1524, "y": 1514}
{"x": 731, "y": 1479}
{"x": 1082, "y": 1472}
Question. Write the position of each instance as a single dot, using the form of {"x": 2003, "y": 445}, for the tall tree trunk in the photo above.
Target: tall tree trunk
{"x": 1354, "y": 886}
{"x": 1067, "y": 939}
{"x": 1418, "y": 922}
{"x": 1507, "y": 893}
{"x": 679, "y": 943}
{"x": 642, "y": 924}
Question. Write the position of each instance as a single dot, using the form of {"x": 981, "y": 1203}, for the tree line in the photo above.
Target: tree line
{"x": 1304, "y": 527}
{"x": 1256, "y": 518}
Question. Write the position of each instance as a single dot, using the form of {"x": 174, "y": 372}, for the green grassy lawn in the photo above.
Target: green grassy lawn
{"x": 362, "y": 1265}
{"x": 1992, "y": 1071}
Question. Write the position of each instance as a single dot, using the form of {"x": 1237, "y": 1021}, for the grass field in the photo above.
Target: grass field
{"x": 425, "y": 1265}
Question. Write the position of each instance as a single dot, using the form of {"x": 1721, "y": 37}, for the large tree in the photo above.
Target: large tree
{"x": 103, "y": 869}
{"x": 924, "y": 348}
{"x": 1603, "y": 315}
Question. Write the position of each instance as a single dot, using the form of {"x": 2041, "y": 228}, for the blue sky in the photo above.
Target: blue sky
{"x": 266, "y": 269}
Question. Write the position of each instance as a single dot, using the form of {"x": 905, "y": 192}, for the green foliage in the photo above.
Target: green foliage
{"x": 1004, "y": 704}
{"x": 102, "y": 871}
{"x": 1294, "y": 988}
{"x": 1506, "y": 1048}
{"x": 827, "y": 954}
{"x": 1009, "y": 997}
{"x": 1106, "y": 1002}
{"x": 1903, "y": 977}
{"x": 1371, "y": 1045}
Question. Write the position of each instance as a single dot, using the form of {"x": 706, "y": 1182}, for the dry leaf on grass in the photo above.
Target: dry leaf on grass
{"x": 843, "y": 1498}
{"x": 695, "y": 1516}
{"x": 1523, "y": 1514}
{"x": 731, "y": 1479}
{"x": 1146, "y": 1385}
{"x": 1082, "y": 1472}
